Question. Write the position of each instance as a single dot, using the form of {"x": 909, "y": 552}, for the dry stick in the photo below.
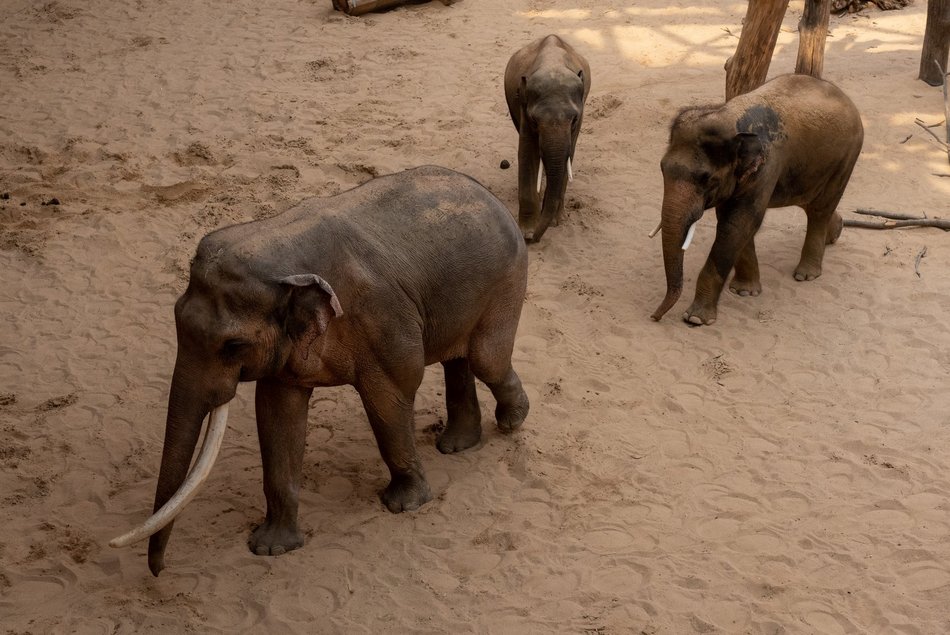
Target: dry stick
{"x": 891, "y": 215}
{"x": 923, "y": 252}
{"x": 894, "y": 224}
{"x": 931, "y": 133}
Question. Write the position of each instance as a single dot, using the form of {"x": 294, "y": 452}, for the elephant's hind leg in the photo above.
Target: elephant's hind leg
{"x": 463, "y": 427}
{"x": 490, "y": 359}
{"x": 746, "y": 281}
{"x": 282, "y": 431}
{"x": 824, "y": 227}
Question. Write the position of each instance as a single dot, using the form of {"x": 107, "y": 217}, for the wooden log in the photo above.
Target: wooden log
{"x": 747, "y": 69}
{"x": 812, "y": 31}
{"x": 936, "y": 48}
{"x": 359, "y": 7}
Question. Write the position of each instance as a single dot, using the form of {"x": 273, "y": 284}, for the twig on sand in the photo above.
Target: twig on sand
{"x": 928, "y": 130}
{"x": 920, "y": 256}
{"x": 906, "y": 139}
{"x": 895, "y": 220}
{"x": 946, "y": 176}
{"x": 941, "y": 223}
{"x": 891, "y": 215}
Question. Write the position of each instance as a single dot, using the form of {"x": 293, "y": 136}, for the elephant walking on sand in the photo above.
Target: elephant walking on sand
{"x": 546, "y": 86}
{"x": 365, "y": 288}
{"x": 792, "y": 141}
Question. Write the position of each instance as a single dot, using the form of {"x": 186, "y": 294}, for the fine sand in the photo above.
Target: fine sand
{"x": 784, "y": 470}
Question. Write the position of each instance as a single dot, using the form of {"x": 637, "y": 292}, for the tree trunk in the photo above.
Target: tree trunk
{"x": 747, "y": 69}
{"x": 934, "y": 54}
{"x": 812, "y": 31}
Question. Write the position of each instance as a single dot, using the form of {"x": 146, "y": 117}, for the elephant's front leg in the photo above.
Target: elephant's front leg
{"x": 282, "y": 431}
{"x": 529, "y": 174}
{"x": 389, "y": 409}
{"x": 746, "y": 280}
{"x": 734, "y": 232}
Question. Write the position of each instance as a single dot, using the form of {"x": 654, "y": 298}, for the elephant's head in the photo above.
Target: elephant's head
{"x": 233, "y": 324}
{"x": 553, "y": 109}
{"x": 706, "y": 162}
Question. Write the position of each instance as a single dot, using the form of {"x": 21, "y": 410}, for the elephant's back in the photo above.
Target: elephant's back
{"x": 810, "y": 97}
{"x": 427, "y": 218}
{"x": 429, "y": 205}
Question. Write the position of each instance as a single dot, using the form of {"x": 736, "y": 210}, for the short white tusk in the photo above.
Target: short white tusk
{"x": 218, "y": 423}
{"x": 689, "y": 236}
{"x": 656, "y": 231}
{"x": 540, "y": 172}
{"x": 570, "y": 172}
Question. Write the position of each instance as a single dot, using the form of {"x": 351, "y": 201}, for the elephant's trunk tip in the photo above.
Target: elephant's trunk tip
{"x": 156, "y": 562}
{"x": 672, "y": 295}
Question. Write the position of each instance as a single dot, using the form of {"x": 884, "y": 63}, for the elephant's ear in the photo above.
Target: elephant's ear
{"x": 311, "y": 304}
{"x": 750, "y": 155}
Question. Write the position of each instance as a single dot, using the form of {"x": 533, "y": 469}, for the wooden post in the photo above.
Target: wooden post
{"x": 812, "y": 31}
{"x": 936, "y": 48}
{"x": 747, "y": 69}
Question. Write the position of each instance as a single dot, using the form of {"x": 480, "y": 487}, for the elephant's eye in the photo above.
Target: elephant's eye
{"x": 232, "y": 347}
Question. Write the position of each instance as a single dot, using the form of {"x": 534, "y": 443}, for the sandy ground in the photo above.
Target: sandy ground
{"x": 785, "y": 470}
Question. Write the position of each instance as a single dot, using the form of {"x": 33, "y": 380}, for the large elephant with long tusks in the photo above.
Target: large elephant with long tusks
{"x": 364, "y": 288}
{"x": 792, "y": 141}
{"x": 546, "y": 86}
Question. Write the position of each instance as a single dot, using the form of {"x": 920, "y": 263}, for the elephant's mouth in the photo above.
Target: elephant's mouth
{"x": 218, "y": 423}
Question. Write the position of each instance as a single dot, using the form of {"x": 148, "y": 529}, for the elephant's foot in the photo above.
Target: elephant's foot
{"x": 807, "y": 271}
{"x": 460, "y": 434}
{"x": 510, "y": 415}
{"x": 698, "y": 315}
{"x": 745, "y": 287}
{"x": 274, "y": 539}
{"x": 405, "y": 493}
{"x": 835, "y": 223}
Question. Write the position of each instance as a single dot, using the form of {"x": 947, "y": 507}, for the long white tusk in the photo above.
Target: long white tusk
{"x": 656, "y": 231}
{"x": 218, "y": 423}
{"x": 540, "y": 172}
{"x": 689, "y": 236}
{"x": 570, "y": 172}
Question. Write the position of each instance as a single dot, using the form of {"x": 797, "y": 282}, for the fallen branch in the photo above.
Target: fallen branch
{"x": 891, "y": 215}
{"x": 928, "y": 130}
{"x": 941, "y": 223}
{"x": 920, "y": 255}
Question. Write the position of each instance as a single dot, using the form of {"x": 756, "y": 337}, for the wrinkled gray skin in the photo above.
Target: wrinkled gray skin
{"x": 364, "y": 288}
{"x": 546, "y": 85}
{"x": 792, "y": 141}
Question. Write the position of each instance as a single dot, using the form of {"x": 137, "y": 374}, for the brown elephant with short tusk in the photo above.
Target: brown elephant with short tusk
{"x": 792, "y": 141}
{"x": 546, "y": 85}
{"x": 365, "y": 288}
